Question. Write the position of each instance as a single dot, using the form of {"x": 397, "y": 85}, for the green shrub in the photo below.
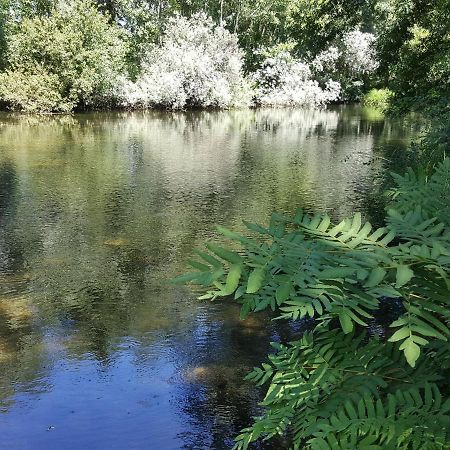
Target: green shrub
{"x": 346, "y": 384}
{"x": 34, "y": 93}
{"x": 414, "y": 48}
{"x": 72, "y": 57}
{"x": 378, "y": 99}
{"x": 434, "y": 145}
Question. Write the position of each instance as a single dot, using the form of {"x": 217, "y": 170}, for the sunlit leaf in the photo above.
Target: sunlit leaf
{"x": 255, "y": 280}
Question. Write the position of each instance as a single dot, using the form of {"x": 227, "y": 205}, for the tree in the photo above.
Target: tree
{"x": 22, "y": 9}
{"x": 73, "y": 57}
{"x": 197, "y": 64}
{"x": 3, "y": 32}
{"x": 414, "y": 50}
{"x": 314, "y": 24}
{"x": 142, "y": 22}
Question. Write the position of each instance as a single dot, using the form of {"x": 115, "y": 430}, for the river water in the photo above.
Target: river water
{"x": 97, "y": 211}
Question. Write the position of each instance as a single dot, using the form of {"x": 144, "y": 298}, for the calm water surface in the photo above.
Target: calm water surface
{"x": 97, "y": 350}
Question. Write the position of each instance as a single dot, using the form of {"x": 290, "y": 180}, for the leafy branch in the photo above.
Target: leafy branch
{"x": 339, "y": 386}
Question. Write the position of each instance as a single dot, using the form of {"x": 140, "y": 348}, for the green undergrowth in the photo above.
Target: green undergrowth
{"x": 378, "y": 99}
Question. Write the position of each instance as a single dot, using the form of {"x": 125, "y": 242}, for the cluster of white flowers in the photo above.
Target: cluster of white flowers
{"x": 198, "y": 64}
{"x": 358, "y": 52}
{"x": 285, "y": 81}
{"x": 326, "y": 60}
{"x": 354, "y": 54}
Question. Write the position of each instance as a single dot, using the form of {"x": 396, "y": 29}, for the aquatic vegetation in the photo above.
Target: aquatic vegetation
{"x": 16, "y": 310}
{"x": 115, "y": 242}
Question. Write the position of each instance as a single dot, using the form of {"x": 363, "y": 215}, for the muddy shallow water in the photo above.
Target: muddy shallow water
{"x": 98, "y": 211}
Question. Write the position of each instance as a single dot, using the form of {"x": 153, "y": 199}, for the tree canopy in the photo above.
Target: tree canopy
{"x": 103, "y": 41}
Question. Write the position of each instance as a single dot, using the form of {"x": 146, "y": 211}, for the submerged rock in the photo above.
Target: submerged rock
{"x": 213, "y": 374}
{"x": 16, "y": 309}
{"x": 118, "y": 242}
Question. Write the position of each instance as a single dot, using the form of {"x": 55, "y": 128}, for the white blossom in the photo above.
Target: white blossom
{"x": 358, "y": 52}
{"x": 327, "y": 59}
{"x": 285, "y": 81}
{"x": 353, "y": 53}
{"x": 197, "y": 65}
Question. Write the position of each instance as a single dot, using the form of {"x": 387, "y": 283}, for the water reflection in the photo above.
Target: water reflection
{"x": 97, "y": 211}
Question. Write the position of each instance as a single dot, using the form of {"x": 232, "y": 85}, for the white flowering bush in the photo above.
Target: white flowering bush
{"x": 327, "y": 60}
{"x": 354, "y": 54}
{"x": 197, "y": 64}
{"x": 350, "y": 60}
{"x": 285, "y": 81}
{"x": 358, "y": 52}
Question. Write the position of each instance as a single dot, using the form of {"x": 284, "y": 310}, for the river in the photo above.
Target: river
{"x": 98, "y": 211}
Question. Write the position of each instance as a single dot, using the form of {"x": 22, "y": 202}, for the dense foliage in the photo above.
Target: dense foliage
{"x": 378, "y": 98}
{"x": 310, "y": 24}
{"x": 285, "y": 81}
{"x": 60, "y": 56}
{"x": 348, "y": 381}
{"x": 70, "y": 58}
{"x": 414, "y": 50}
{"x": 337, "y": 73}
